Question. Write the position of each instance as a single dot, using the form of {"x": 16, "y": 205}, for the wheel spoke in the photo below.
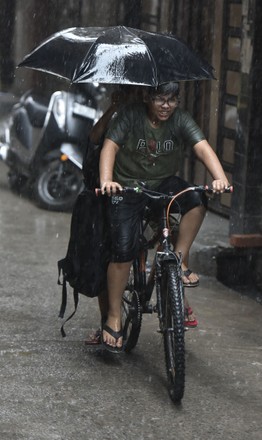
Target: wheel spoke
{"x": 131, "y": 314}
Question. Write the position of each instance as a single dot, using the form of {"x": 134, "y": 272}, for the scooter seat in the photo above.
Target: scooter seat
{"x": 36, "y": 107}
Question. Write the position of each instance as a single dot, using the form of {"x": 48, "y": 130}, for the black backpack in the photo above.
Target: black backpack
{"x": 90, "y": 168}
{"x": 85, "y": 264}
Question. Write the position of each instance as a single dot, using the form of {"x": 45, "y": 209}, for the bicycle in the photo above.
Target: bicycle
{"x": 165, "y": 277}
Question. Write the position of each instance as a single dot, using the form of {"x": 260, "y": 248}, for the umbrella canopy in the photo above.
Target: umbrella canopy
{"x": 117, "y": 55}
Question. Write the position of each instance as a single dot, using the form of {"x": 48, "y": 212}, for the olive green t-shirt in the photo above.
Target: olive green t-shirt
{"x": 150, "y": 154}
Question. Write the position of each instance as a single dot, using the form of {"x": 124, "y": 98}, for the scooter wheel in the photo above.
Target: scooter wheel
{"x": 57, "y": 186}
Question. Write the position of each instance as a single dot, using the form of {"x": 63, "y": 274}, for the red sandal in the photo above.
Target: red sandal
{"x": 95, "y": 338}
{"x": 187, "y": 322}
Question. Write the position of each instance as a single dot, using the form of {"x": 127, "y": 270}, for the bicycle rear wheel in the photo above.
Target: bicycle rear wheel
{"x": 131, "y": 312}
{"x": 173, "y": 330}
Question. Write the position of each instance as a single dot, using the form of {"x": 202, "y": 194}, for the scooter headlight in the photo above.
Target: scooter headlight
{"x": 60, "y": 112}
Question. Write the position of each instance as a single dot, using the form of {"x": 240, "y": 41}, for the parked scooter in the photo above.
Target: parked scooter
{"x": 45, "y": 142}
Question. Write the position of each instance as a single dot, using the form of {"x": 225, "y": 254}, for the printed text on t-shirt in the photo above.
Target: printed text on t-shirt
{"x": 156, "y": 147}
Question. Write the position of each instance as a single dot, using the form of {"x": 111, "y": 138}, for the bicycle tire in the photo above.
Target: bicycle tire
{"x": 131, "y": 313}
{"x": 173, "y": 330}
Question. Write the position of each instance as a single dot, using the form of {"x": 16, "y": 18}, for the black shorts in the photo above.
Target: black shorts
{"x": 126, "y": 212}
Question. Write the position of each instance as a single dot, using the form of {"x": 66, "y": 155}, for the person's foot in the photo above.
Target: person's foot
{"x": 190, "y": 318}
{"x": 112, "y": 335}
{"x": 94, "y": 338}
{"x": 189, "y": 278}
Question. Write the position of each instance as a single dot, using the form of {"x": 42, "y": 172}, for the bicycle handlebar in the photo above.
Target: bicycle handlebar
{"x": 158, "y": 195}
{"x": 209, "y": 189}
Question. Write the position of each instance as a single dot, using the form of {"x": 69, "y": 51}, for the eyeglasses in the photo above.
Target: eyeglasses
{"x": 159, "y": 100}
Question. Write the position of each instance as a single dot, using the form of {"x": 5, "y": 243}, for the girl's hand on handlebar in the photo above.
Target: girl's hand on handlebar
{"x": 219, "y": 186}
{"x": 110, "y": 187}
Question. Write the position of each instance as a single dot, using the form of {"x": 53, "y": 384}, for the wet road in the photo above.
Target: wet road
{"x": 58, "y": 389}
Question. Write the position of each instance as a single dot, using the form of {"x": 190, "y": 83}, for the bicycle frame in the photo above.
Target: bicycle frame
{"x": 145, "y": 284}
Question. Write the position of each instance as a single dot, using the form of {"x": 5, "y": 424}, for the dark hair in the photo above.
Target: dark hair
{"x": 170, "y": 88}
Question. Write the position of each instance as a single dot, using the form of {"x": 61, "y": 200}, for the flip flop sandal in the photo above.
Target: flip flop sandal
{"x": 187, "y": 322}
{"x": 187, "y": 273}
{"x": 115, "y": 335}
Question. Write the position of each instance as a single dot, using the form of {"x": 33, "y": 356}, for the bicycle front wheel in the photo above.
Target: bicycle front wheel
{"x": 173, "y": 330}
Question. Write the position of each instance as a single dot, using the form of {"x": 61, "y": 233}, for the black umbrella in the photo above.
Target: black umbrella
{"x": 117, "y": 55}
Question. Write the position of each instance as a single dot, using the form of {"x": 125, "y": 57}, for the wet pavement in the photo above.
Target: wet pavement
{"x": 59, "y": 389}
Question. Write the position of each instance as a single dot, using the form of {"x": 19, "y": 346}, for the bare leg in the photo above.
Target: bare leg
{"x": 188, "y": 229}
{"x": 117, "y": 277}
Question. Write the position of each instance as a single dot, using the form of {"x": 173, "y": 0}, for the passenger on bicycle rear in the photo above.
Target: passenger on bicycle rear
{"x": 145, "y": 145}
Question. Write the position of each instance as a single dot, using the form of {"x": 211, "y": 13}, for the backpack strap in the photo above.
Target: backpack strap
{"x": 64, "y": 296}
{"x": 76, "y": 298}
{"x": 64, "y": 290}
